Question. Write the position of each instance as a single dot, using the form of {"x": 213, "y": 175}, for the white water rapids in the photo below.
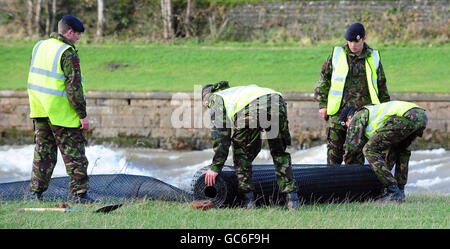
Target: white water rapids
{"x": 429, "y": 170}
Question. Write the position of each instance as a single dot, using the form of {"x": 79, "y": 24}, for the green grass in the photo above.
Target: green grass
{"x": 159, "y": 67}
{"x": 419, "y": 211}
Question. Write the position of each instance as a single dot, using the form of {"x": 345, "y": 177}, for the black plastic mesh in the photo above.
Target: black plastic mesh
{"x": 108, "y": 188}
{"x": 316, "y": 184}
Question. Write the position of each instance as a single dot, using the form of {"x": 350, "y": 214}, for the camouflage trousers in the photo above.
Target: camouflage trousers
{"x": 246, "y": 144}
{"x": 390, "y": 146}
{"x": 336, "y": 134}
{"x": 71, "y": 143}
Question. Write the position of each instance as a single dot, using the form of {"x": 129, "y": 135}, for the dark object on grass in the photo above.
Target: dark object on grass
{"x": 203, "y": 205}
{"x": 105, "y": 209}
{"x": 62, "y": 205}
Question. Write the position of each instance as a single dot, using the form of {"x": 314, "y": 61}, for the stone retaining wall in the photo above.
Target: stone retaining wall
{"x": 338, "y": 12}
{"x": 149, "y": 119}
{"x": 323, "y": 19}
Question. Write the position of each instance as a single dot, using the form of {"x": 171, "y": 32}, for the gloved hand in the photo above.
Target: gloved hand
{"x": 84, "y": 123}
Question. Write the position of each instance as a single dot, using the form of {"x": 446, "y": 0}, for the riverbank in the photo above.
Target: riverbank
{"x": 147, "y": 95}
{"x": 13, "y": 137}
{"x": 177, "y": 121}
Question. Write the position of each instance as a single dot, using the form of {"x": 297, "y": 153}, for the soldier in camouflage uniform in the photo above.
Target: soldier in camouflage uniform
{"x": 384, "y": 137}
{"x": 355, "y": 92}
{"x": 49, "y": 137}
{"x": 265, "y": 112}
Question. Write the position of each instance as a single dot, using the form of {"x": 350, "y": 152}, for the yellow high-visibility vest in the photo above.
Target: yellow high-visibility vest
{"x": 340, "y": 71}
{"x": 236, "y": 98}
{"x": 379, "y": 113}
{"x": 46, "y": 87}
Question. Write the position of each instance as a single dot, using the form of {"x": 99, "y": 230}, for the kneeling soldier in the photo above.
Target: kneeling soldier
{"x": 384, "y": 133}
{"x": 241, "y": 109}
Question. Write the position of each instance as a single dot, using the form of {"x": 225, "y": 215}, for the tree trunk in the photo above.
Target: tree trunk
{"x": 37, "y": 19}
{"x": 166, "y": 13}
{"x": 29, "y": 17}
{"x": 212, "y": 24}
{"x": 101, "y": 17}
{"x": 47, "y": 18}
{"x": 187, "y": 23}
{"x": 53, "y": 18}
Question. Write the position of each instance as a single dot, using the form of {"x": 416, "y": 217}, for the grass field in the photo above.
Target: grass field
{"x": 419, "y": 211}
{"x": 158, "y": 67}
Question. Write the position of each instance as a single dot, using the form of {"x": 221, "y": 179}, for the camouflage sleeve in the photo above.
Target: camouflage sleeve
{"x": 220, "y": 133}
{"x": 356, "y": 138}
{"x": 70, "y": 64}
{"x": 324, "y": 83}
{"x": 383, "y": 93}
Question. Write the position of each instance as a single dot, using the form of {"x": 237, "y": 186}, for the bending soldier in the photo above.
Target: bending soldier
{"x": 237, "y": 117}
{"x": 384, "y": 133}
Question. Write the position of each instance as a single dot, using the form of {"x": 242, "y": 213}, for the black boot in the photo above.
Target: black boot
{"x": 292, "y": 202}
{"x": 402, "y": 189}
{"x": 249, "y": 201}
{"x": 35, "y": 197}
{"x": 393, "y": 193}
{"x": 84, "y": 199}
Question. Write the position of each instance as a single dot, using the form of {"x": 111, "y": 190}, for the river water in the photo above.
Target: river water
{"x": 429, "y": 170}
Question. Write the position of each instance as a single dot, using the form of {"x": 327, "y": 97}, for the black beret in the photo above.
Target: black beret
{"x": 355, "y": 32}
{"x": 73, "y": 22}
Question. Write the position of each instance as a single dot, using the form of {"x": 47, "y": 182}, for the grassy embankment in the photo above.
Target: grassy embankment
{"x": 156, "y": 67}
{"x": 419, "y": 211}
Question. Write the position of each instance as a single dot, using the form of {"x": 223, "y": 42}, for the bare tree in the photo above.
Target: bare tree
{"x": 29, "y": 17}
{"x": 37, "y": 18}
{"x": 166, "y": 13}
{"x": 101, "y": 17}
{"x": 187, "y": 23}
{"x": 53, "y": 19}
{"x": 47, "y": 17}
{"x": 217, "y": 18}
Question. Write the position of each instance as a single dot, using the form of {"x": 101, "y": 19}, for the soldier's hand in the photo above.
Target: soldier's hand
{"x": 84, "y": 123}
{"x": 323, "y": 113}
{"x": 210, "y": 177}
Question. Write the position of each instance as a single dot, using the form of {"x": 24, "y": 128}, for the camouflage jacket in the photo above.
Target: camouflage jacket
{"x": 220, "y": 132}
{"x": 70, "y": 64}
{"x": 356, "y": 138}
{"x": 356, "y": 92}
{"x": 222, "y": 127}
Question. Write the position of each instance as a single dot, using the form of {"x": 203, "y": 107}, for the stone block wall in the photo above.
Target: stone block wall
{"x": 150, "y": 117}
{"x": 324, "y": 19}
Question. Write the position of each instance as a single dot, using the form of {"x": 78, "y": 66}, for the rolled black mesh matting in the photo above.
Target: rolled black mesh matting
{"x": 108, "y": 188}
{"x": 316, "y": 184}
